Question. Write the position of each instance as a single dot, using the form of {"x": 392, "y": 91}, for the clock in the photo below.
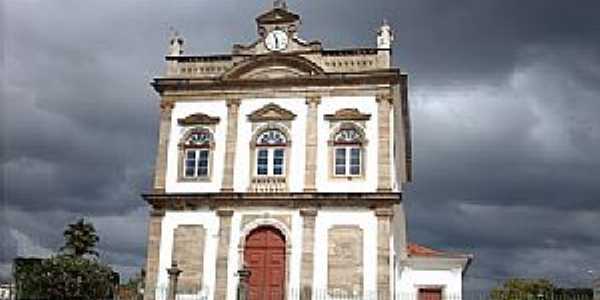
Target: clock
{"x": 276, "y": 40}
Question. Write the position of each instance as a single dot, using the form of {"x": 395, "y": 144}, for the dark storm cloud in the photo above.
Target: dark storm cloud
{"x": 504, "y": 100}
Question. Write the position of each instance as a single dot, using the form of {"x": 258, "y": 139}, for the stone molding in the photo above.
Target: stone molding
{"x": 274, "y": 222}
{"x": 345, "y": 260}
{"x": 188, "y": 252}
{"x": 224, "y": 213}
{"x": 181, "y": 155}
{"x": 308, "y": 245}
{"x": 225, "y": 216}
{"x": 312, "y": 144}
{"x": 383, "y": 152}
{"x": 391, "y": 76}
{"x": 233, "y": 105}
{"x": 383, "y": 252}
{"x": 271, "y": 112}
{"x": 198, "y": 119}
{"x": 153, "y": 252}
{"x": 187, "y": 202}
{"x": 296, "y": 66}
{"x": 384, "y": 212}
{"x": 164, "y": 130}
{"x": 309, "y": 212}
{"x": 348, "y": 114}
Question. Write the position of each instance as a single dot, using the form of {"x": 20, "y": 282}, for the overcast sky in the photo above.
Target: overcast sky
{"x": 505, "y": 104}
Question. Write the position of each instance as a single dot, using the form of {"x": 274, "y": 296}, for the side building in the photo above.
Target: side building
{"x": 288, "y": 160}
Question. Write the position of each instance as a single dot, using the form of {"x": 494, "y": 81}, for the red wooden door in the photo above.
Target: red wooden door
{"x": 264, "y": 255}
{"x": 430, "y": 294}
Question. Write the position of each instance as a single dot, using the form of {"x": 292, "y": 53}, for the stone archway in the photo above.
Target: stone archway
{"x": 265, "y": 257}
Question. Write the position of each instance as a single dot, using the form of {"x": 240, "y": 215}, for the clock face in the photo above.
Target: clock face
{"x": 277, "y": 40}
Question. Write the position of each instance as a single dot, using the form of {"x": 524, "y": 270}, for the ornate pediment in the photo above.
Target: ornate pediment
{"x": 277, "y": 15}
{"x": 198, "y": 119}
{"x": 348, "y": 114}
{"x": 275, "y": 66}
{"x": 271, "y": 112}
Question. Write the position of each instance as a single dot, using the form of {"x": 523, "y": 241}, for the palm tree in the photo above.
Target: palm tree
{"x": 81, "y": 239}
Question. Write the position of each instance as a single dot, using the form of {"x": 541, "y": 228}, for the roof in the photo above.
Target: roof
{"x": 422, "y": 251}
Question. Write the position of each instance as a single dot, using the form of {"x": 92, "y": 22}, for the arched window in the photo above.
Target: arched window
{"x": 348, "y": 152}
{"x": 271, "y": 146}
{"x": 196, "y": 149}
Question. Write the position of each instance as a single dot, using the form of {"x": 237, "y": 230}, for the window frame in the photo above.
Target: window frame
{"x": 271, "y": 160}
{"x": 348, "y": 160}
{"x": 185, "y": 147}
{"x": 197, "y": 160}
{"x": 347, "y": 142}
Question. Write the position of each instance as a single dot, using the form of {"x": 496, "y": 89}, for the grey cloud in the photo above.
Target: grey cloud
{"x": 504, "y": 103}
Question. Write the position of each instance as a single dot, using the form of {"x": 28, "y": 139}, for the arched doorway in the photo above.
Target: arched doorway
{"x": 264, "y": 256}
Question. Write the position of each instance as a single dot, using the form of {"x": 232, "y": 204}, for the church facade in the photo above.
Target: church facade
{"x": 287, "y": 160}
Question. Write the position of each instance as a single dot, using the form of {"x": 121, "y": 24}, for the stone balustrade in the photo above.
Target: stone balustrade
{"x": 268, "y": 184}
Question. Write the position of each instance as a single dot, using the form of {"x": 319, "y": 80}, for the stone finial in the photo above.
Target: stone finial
{"x": 385, "y": 36}
{"x": 175, "y": 43}
{"x": 280, "y": 4}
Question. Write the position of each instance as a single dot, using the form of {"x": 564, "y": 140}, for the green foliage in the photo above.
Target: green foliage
{"x": 80, "y": 239}
{"x": 71, "y": 275}
{"x": 517, "y": 289}
{"x": 65, "y": 277}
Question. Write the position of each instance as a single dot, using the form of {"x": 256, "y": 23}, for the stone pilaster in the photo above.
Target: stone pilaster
{"x": 233, "y": 106}
{"x": 152, "y": 253}
{"x": 308, "y": 247}
{"x": 384, "y": 165}
{"x": 384, "y": 216}
{"x": 310, "y": 169}
{"x": 222, "y": 251}
{"x": 160, "y": 167}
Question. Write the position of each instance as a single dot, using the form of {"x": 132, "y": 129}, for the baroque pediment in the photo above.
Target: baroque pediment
{"x": 274, "y": 66}
{"x": 271, "y": 112}
{"x": 348, "y": 114}
{"x": 198, "y": 119}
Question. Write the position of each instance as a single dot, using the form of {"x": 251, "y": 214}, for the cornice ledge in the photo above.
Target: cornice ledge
{"x": 198, "y": 119}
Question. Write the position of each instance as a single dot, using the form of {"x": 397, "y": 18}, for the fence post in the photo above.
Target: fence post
{"x": 244, "y": 275}
{"x": 173, "y": 276}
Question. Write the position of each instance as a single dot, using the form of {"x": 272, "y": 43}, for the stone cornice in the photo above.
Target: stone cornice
{"x": 348, "y": 114}
{"x": 283, "y": 200}
{"x": 271, "y": 112}
{"x": 389, "y": 76}
{"x": 198, "y": 119}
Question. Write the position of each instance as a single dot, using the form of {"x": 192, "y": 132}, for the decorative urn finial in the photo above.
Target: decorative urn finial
{"x": 175, "y": 43}
{"x": 279, "y": 4}
{"x": 385, "y": 36}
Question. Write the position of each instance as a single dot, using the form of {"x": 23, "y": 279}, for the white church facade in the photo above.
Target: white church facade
{"x": 287, "y": 160}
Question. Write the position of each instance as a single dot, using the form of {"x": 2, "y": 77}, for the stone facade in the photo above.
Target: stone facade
{"x": 345, "y": 261}
{"x": 152, "y": 253}
{"x": 188, "y": 252}
{"x": 297, "y": 111}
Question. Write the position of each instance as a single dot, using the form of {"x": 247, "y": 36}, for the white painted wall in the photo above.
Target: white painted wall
{"x": 409, "y": 281}
{"x": 367, "y": 221}
{"x": 209, "y": 220}
{"x": 297, "y": 153}
{"x": 329, "y": 105}
{"x": 214, "y": 108}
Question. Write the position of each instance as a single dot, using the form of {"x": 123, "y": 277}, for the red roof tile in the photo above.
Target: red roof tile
{"x": 419, "y": 250}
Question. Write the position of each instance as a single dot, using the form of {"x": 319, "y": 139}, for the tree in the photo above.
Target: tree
{"x": 80, "y": 239}
{"x": 70, "y": 275}
{"x": 519, "y": 288}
